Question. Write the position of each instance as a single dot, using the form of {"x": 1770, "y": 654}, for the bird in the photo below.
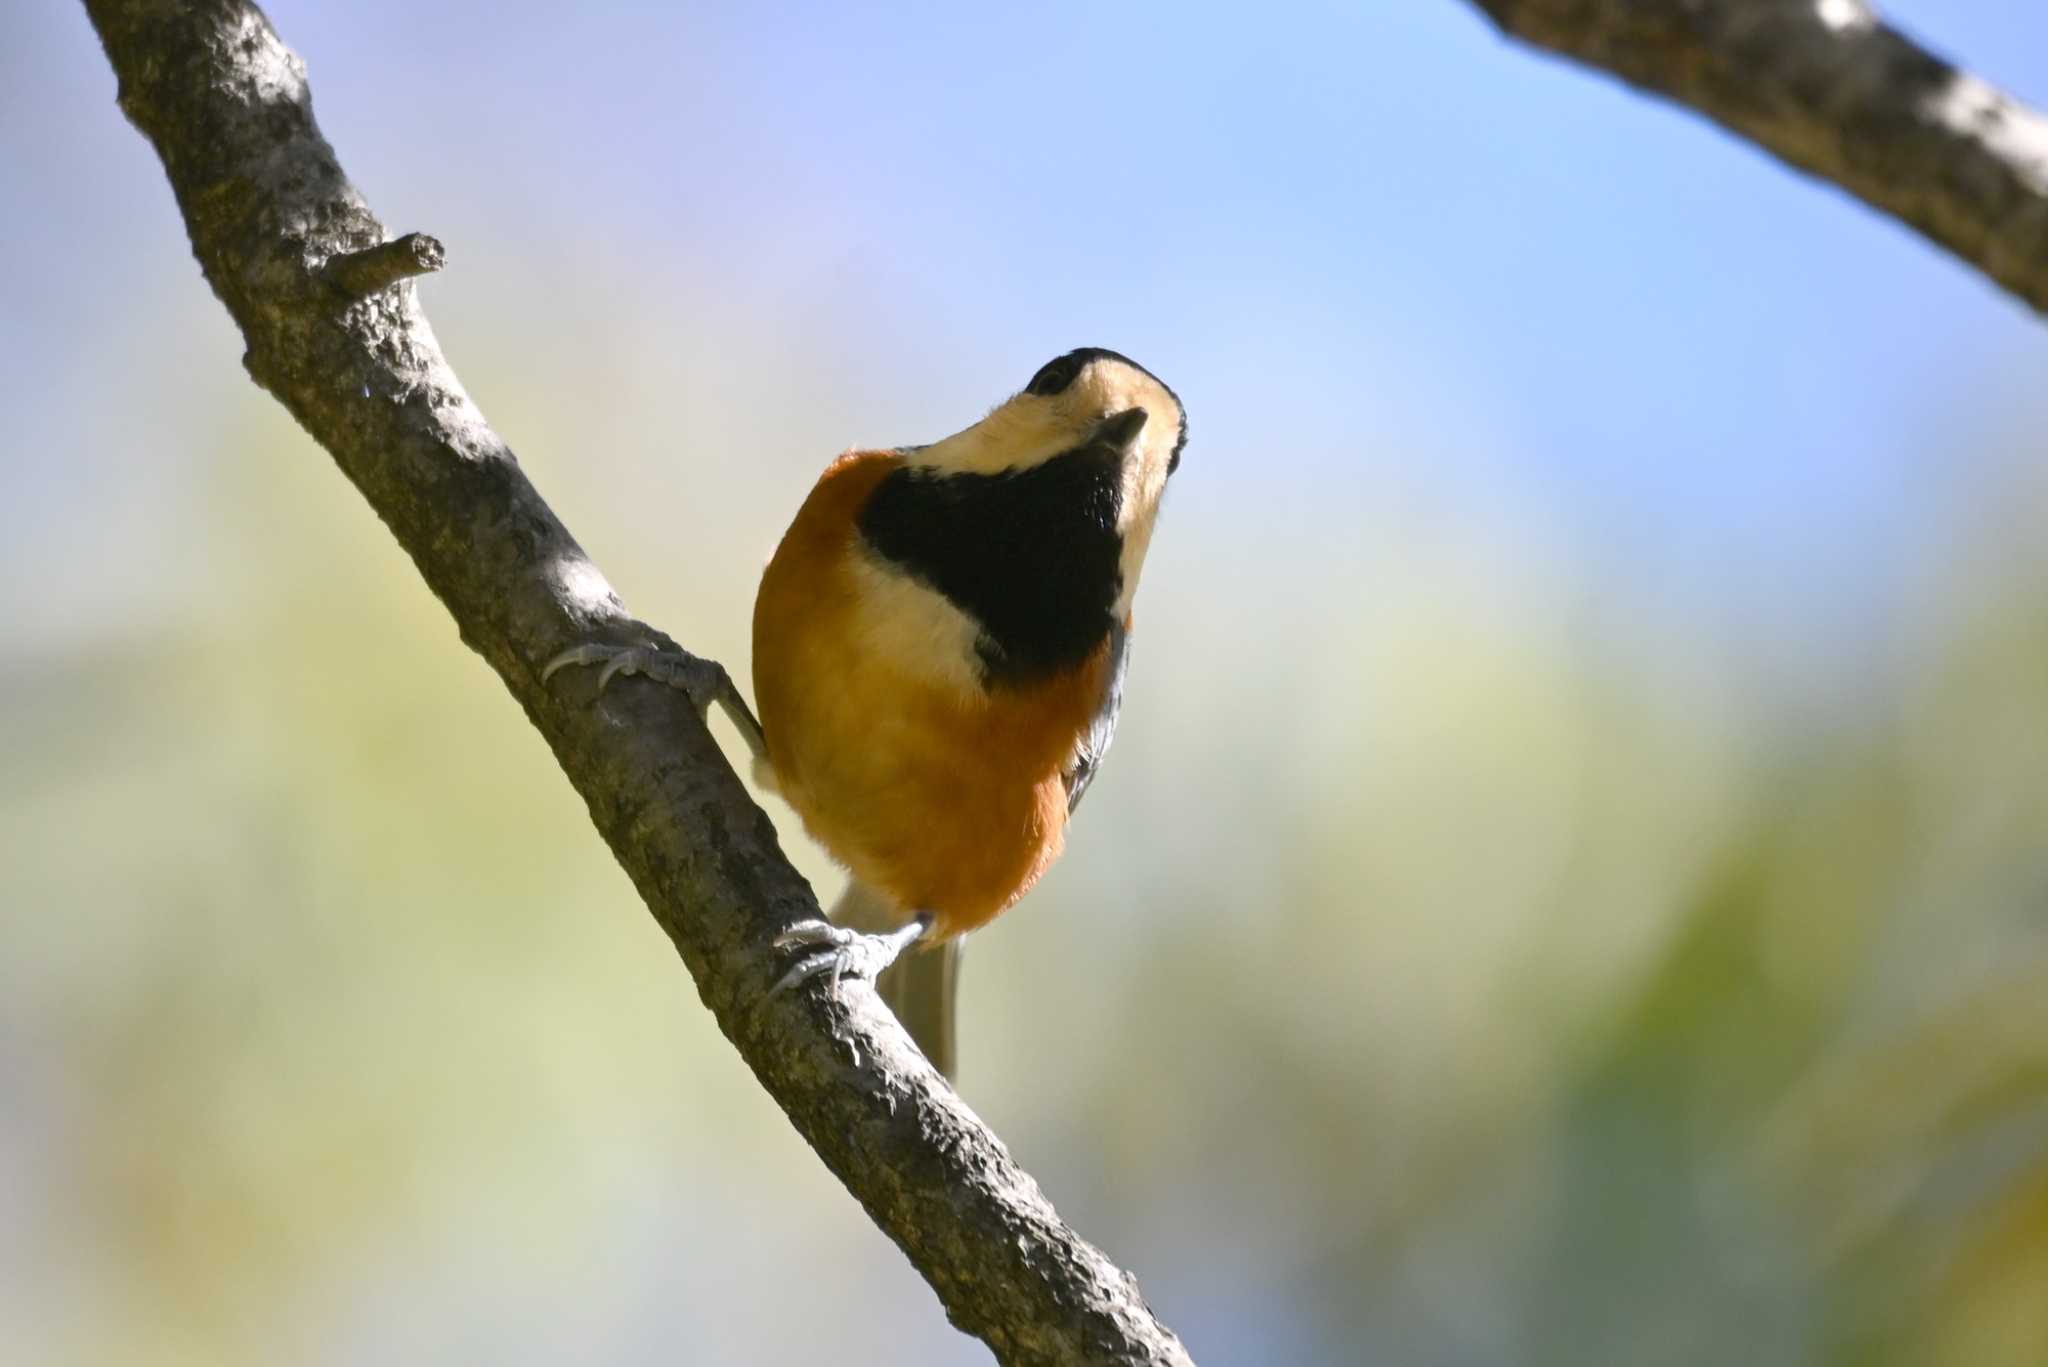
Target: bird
{"x": 940, "y": 643}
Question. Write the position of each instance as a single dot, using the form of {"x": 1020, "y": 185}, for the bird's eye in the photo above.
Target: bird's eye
{"x": 1053, "y": 376}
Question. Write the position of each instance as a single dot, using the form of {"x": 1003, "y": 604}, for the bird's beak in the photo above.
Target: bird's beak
{"x": 1119, "y": 430}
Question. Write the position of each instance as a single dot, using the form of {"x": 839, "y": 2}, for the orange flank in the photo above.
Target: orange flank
{"x": 941, "y": 795}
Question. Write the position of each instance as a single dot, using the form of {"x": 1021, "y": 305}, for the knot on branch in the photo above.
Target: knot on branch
{"x": 363, "y": 273}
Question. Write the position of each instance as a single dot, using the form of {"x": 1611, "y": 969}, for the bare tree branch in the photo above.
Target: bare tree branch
{"x": 1828, "y": 87}
{"x": 382, "y": 266}
{"x": 302, "y": 265}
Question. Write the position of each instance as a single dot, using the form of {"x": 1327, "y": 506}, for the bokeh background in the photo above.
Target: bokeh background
{"x": 1572, "y": 884}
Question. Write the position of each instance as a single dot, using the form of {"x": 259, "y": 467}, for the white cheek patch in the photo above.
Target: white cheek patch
{"x": 1144, "y": 481}
{"x": 1136, "y": 540}
{"x": 1016, "y": 435}
{"x": 916, "y": 627}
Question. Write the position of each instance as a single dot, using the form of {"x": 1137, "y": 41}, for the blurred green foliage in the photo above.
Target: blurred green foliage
{"x": 1494, "y": 1008}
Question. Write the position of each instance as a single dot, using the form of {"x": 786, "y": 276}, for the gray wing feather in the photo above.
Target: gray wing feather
{"x": 1088, "y": 757}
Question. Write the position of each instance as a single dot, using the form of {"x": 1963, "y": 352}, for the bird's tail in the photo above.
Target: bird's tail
{"x": 920, "y": 987}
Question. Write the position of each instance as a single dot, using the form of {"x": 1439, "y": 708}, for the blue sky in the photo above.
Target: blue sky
{"x": 1360, "y": 240}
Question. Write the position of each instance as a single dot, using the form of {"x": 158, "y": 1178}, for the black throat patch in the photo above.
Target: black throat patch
{"x": 1032, "y": 555}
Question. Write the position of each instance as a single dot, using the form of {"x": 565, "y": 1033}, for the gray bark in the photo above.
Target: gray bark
{"x": 334, "y": 331}
{"x": 1831, "y": 89}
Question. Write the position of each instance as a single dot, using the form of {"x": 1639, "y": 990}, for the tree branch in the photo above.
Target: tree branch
{"x": 301, "y": 263}
{"x": 1828, "y": 87}
{"x": 365, "y": 272}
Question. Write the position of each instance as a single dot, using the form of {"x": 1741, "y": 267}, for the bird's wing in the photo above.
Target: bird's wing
{"x": 1080, "y": 771}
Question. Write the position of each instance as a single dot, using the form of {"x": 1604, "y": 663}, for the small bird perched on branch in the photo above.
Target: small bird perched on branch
{"x": 939, "y": 652}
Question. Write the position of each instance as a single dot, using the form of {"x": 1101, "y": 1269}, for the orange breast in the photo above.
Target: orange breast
{"x": 947, "y": 800}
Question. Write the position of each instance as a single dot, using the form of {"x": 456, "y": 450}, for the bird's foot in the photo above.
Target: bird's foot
{"x": 702, "y": 681}
{"x": 836, "y": 952}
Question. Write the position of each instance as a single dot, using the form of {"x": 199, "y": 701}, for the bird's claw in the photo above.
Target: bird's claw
{"x": 841, "y": 953}
{"x": 703, "y": 681}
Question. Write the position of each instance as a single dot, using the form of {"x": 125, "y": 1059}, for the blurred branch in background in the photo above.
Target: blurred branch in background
{"x": 1830, "y": 88}
{"x": 296, "y": 255}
